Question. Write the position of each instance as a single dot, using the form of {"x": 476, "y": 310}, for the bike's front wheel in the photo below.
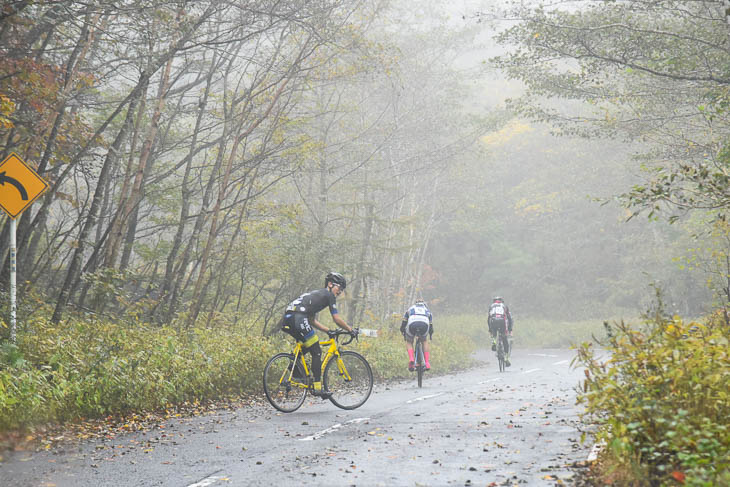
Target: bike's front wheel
{"x": 283, "y": 389}
{"x": 350, "y": 380}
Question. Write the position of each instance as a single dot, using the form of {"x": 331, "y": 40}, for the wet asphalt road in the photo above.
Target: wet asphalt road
{"x": 479, "y": 427}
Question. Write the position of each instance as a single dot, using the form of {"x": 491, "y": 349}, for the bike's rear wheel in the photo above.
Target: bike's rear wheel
{"x": 349, "y": 379}
{"x": 283, "y": 391}
{"x": 500, "y": 353}
{"x": 420, "y": 362}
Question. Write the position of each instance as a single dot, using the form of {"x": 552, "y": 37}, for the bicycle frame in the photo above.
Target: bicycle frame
{"x": 502, "y": 352}
{"x": 422, "y": 340}
{"x": 332, "y": 351}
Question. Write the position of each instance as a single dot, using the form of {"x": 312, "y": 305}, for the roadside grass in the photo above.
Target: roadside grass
{"x": 528, "y": 332}
{"x": 88, "y": 368}
{"x": 542, "y": 333}
{"x": 661, "y": 402}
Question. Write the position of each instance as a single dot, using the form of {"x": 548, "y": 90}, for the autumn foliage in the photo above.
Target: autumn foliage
{"x": 660, "y": 401}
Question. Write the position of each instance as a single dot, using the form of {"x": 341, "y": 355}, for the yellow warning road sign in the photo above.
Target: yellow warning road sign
{"x": 20, "y": 185}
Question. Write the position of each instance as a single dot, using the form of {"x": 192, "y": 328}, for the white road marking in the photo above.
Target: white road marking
{"x": 332, "y": 428}
{"x": 562, "y": 362}
{"x": 424, "y": 397}
{"x": 491, "y": 380}
{"x": 542, "y": 355}
{"x": 530, "y": 371}
{"x": 207, "y": 481}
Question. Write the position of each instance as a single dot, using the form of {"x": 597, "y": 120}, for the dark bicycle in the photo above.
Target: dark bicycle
{"x": 420, "y": 362}
{"x": 503, "y": 346}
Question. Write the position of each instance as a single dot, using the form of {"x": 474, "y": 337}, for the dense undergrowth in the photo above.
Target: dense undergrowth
{"x": 661, "y": 402}
{"x": 86, "y": 368}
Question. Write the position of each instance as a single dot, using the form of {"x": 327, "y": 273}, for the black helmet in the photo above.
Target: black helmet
{"x": 336, "y": 278}
{"x": 420, "y": 301}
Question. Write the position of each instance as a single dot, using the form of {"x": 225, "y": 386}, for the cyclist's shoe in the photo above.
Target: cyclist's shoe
{"x": 411, "y": 366}
{"x": 494, "y": 345}
{"x": 322, "y": 394}
{"x": 428, "y": 366}
{"x": 319, "y": 391}
{"x": 507, "y": 363}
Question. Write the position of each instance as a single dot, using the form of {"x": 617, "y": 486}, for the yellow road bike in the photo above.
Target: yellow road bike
{"x": 346, "y": 374}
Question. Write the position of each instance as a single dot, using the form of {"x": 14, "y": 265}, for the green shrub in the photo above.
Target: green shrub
{"x": 661, "y": 402}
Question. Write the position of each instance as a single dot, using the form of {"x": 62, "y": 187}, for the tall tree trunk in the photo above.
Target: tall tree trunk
{"x": 72, "y": 274}
{"x": 358, "y": 298}
{"x": 222, "y": 193}
{"x": 182, "y": 266}
{"x": 242, "y": 215}
{"x": 126, "y": 220}
{"x": 164, "y": 293}
{"x": 116, "y": 226}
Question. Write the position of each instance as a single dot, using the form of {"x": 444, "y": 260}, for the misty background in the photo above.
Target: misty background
{"x": 212, "y": 160}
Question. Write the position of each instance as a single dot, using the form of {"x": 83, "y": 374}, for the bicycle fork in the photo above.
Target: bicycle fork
{"x": 340, "y": 366}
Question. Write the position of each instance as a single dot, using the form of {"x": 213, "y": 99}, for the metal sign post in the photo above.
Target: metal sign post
{"x": 13, "y": 280}
{"x": 20, "y": 185}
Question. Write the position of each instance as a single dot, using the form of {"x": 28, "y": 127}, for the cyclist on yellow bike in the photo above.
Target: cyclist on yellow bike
{"x": 300, "y": 317}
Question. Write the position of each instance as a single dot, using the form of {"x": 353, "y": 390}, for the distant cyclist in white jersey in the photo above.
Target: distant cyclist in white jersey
{"x": 417, "y": 321}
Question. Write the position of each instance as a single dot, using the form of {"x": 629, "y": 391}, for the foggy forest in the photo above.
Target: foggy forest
{"x": 208, "y": 161}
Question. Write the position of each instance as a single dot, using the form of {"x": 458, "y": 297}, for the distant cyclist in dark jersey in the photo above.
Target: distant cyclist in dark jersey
{"x": 300, "y": 316}
{"x": 418, "y": 320}
{"x": 499, "y": 316}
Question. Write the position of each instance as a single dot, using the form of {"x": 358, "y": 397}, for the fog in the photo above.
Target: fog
{"x": 215, "y": 159}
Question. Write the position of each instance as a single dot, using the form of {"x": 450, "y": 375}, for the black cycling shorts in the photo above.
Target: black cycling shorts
{"x": 495, "y": 324}
{"x": 419, "y": 328}
{"x": 297, "y": 325}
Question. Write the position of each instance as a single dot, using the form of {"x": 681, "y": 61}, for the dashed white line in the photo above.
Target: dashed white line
{"x": 490, "y": 380}
{"x": 207, "y": 481}
{"x": 531, "y": 371}
{"x": 541, "y": 355}
{"x": 332, "y": 428}
{"x": 424, "y": 397}
{"x": 562, "y": 362}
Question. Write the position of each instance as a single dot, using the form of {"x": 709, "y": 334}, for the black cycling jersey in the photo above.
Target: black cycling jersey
{"x": 313, "y": 302}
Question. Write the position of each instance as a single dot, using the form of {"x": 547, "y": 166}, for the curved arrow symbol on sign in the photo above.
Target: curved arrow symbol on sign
{"x": 21, "y": 189}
